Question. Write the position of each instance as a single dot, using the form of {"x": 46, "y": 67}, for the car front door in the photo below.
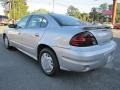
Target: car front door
{"x": 33, "y": 33}
{"x": 15, "y": 33}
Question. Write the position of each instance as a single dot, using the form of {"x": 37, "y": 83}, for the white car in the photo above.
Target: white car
{"x": 109, "y": 25}
{"x": 61, "y": 42}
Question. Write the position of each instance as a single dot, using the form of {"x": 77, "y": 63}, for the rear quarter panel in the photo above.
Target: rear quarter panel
{"x": 59, "y": 36}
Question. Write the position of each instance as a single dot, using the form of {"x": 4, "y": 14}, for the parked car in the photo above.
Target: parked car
{"x": 117, "y": 26}
{"x": 108, "y": 25}
{"x": 3, "y": 20}
{"x": 61, "y": 42}
{"x": 96, "y": 23}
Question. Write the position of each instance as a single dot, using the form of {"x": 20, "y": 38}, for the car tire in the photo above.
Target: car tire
{"x": 48, "y": 62}
{"x": 6, "y": 42}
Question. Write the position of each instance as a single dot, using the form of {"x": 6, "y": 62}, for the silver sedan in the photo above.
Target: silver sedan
{"x": 61, "y": 42}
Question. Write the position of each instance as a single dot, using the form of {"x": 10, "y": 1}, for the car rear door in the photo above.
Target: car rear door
{"x": 33, "y": 33}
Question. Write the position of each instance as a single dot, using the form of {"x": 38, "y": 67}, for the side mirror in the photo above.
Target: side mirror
{"x": 12, "y": 25}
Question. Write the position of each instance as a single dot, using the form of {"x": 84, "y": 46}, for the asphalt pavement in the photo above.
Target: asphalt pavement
{"x": 20, "y": 72}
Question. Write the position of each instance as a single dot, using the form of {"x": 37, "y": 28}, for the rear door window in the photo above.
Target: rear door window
{"x": 37, "y": 21}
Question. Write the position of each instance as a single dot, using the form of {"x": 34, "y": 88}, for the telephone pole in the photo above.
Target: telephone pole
{"x": 114, "y": 12}
{"x": 53, "y": 5}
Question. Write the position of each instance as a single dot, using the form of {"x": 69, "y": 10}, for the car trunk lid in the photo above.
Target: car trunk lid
{"x": 101, "y": 33}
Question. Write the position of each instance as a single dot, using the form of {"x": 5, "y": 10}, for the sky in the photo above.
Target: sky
{"x": 62, "y": 5}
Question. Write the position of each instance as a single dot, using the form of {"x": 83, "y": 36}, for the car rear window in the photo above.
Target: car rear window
{"x": 64, "y": 20}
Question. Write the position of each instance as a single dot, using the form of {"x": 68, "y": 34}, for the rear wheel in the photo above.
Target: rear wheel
{"x": 48, "y": 62}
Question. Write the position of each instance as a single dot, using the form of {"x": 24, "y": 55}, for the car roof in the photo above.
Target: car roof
{"x": 45, "y": 14}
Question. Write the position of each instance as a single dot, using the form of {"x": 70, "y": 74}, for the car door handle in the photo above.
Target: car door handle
{"x": 37, "y": 34}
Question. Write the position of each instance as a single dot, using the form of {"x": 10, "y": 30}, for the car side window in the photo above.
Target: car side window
{"x": 22, "y": 23}
{"x": 37, "y": 22}
{"x": 44, "y": 22}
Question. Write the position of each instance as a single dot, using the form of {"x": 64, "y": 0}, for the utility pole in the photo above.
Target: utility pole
{"x": 13, "y": 6}
{"x": 53, "y": 5}
{"x": 114, "y": 12}
{"x": 7, "y": 7}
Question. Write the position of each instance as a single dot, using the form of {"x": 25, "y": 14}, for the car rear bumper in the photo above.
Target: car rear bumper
{"x": 76, "y": 60}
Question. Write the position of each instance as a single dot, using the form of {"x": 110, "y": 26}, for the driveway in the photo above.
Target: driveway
{"x": 20, "y": 72}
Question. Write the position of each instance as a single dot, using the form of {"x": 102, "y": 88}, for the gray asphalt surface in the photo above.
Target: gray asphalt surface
{"x": 20, "y": 72}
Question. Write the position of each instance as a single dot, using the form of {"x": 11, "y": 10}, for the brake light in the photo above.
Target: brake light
{"x": 83, "y": 39}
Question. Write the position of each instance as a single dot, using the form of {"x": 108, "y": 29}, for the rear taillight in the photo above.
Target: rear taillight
{"x": 83, "y": 39}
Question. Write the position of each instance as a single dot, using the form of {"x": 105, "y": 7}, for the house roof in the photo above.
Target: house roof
{"x": 107, "y": 12}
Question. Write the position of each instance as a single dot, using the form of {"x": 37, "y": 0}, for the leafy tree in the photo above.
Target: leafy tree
{"x": 118, "y": 13}
{"x": 2, "y": 2}
{"x": 110, "y": 7}
{"x": 98, "y": 16}
{"x": 85, "y": 16}
{"x": 103, "y": 6}
{"x": 72, "y": 11}
{"x": 93, "y": 14}
{"x": 41, "y": 11}
{"x": 18, "y": 9}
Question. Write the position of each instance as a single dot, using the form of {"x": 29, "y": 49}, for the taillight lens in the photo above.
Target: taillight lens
{"x": 83, "y": 39}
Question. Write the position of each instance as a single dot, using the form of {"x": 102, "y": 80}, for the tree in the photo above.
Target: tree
{"x": 18, "y": 8}
{"x": 2, "y": 2}
{"x": 103, "y": 6}
{"x": 85, "y": 16}
{"x": 110, "y": 7}
{"x": 41, "y": 11}
{"x": 72, "y": 11}
{"x": 93, "y": 14}
{"x": 118, "y": 13}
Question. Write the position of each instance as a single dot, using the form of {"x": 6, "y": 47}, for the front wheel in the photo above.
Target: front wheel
{"x": 6, "y": 42}
{"x": 48, "y": 61}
